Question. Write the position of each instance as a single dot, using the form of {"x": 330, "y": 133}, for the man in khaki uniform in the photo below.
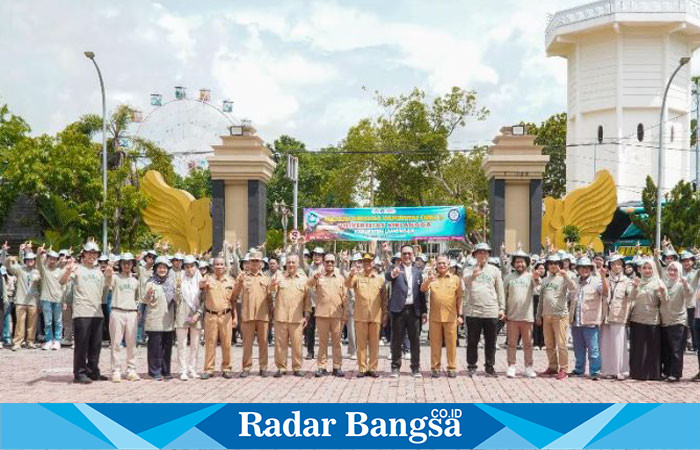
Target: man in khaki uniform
{"x": 370, "y": 312}
{"x": 256, "y": 310}
{"x": 292, "y": 308}
{"x": 331, "y": 313}
{"x": 444, "y": 314}
{"x": 219, "y": 318}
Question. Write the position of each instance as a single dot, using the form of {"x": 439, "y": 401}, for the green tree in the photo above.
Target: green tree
{"x": 552, "y": 135}
{"x": 197, "y": 182}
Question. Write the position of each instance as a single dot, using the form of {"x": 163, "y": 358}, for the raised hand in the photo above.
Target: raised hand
{"x": 5, "y": 246}
{"x": 635, "y": 281}
{"x": 395, "y": 272}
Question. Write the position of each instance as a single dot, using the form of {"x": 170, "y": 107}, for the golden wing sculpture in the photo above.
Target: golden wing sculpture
{"x": 589, "y": 208}
{"x": 176, "y": 215}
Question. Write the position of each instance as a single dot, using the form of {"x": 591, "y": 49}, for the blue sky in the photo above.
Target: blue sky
{"x": 292, "y": 67}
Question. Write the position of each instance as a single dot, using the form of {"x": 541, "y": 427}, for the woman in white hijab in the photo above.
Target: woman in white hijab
{"x": 188, "y": 318}
{"x": 645, "y": 332}
{"x": 673, "y": 322}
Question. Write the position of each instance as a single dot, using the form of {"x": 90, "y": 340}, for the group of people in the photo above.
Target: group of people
{"x": 624, "y": 318}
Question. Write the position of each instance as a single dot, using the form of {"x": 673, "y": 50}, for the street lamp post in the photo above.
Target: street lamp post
{"x": 91, "y": 57}
{"x": 662, "y": 123}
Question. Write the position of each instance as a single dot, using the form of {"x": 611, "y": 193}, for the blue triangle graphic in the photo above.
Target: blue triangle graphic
{"x": 30, "y": 426}
{"x": 678, "y": 422}
{"x": 530, "y": 431}
{"x": 581, "y": 435}
{"x": 555, "y": 416}
{"x": 162, "y": 434}
{"x": 630, "y": 412}
{"x": 139, "y": 417}
{"x": 194, "y": 438}
{"x": 122, "y": 438}
{"x": 69, "y": 412}
{"x": 506, "y": 439}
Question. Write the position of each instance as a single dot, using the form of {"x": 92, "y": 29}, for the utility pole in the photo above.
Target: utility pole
{"x": 293, "y": 174}
{"x": 696, "y": 93}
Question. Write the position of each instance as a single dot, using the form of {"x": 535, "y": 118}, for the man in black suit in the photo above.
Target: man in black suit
{"x": 407, "y": 308}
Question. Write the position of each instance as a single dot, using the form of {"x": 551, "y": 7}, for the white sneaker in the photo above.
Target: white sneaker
{"x": 183, "y": 377}
{"x": 353, "y": 356}
{"x": 47, "y": 345}
{"x": 56, "y": 345}
{"x": 116, "y": 377}
{"x": 133, "y": 376}
{"x": 194, "y": 375}
{"x": 530, "y": 372}
{"x": 511, "y": 372}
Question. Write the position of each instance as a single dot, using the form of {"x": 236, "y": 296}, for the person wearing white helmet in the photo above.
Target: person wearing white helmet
{"x": 589, "y": 309}
{"x": 613, "y": 339}
{"x": 189, "y": 312}
{"x": 123, "y": 318}
{"x": 485, "y": 307}
{"x": 88, "y": 287}
{"x": 160, "y": 320}
{"x": 519, "y": 288}
{"x": 26, "y": 296}
{"x": 51, "y": 298}
{"x": 553, "y": 315}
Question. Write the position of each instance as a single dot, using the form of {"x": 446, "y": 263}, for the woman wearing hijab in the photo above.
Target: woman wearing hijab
{"x": 160, "y": 315}
{"x": 613, "y": 339}
{"x": 673, "y": 313}
{"x": 188, "y": 318}
{"x": 645, "y": 332}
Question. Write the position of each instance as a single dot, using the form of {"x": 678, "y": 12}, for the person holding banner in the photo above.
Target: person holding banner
{"x": 445, "y": 314}
{"x": 331, "y": 313}
{"x": 370, "y": 313}
{"x": 484, "y": 309}
{"x": 408, "y": 309}
{"x": 292, "y": 308}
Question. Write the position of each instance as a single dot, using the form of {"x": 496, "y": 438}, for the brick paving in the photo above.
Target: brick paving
{"x": 45, "y": 376}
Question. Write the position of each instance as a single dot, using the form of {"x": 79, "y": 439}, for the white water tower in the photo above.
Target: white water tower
{"x": 620, "y": 54}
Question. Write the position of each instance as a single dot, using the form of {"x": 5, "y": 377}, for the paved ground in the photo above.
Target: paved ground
{"x": 45, "y": 376}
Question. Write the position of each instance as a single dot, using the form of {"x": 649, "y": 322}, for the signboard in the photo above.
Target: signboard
{"x": 385, "y": 224}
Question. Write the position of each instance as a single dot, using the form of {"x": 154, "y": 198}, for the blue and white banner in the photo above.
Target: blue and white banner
{"x": 241, "y": 426}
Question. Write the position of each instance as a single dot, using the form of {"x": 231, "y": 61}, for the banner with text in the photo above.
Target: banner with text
{"x": 345, "y": 425}
{"x": 385, "y": 224}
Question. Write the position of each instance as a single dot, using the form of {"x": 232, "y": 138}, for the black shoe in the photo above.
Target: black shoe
{"x": 321, "y": 373}
{"x": 82, "y": 380}
{"x": 263, "y": 373}
{"x": 491, "y": 373}
{"x": 168, "y": 377}
{"x": 279, "y": 374}
{"x": 309, "y": 355}
{"x": 435, "y": 374}
{"x": 158, "y": 378}
{"x": 471, "y": 373}
{"x": 338, "y": 373}
{"x": 595, "y": 377}
{"x": 98, "y": 378}
{"x": 451, "y": 374}
{"x": 205, "y": 376}
{"x": 573, "y": 373}
{"x": 361, "y": 374}
{"x": 299, "y": 373}
{"x": 416, "y": 374}
{"x": 372, "y": 373}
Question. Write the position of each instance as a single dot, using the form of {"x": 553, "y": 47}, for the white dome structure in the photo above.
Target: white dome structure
{"x": 620, "y": 54}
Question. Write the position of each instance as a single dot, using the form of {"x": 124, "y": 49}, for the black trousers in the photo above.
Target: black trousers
{"x": 405, "y": 322}
{"x": 693, "y": 337}
{"x": 310, "y": 333}
{"x": 475, "y": 325}
{"x": 87, "y": 343}
{"x": 160, "y": 350}
{"x": 645, "y": 351}
{"x": 537, "y": 331}
{"x": 105, "y": 323}
{"x": 673, "y": 339}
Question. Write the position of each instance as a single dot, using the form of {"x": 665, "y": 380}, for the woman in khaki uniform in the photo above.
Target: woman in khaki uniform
{"x": 645, "y": 332}
{"x": 160, "y": 315}
{"x": 674, "y": 316}
{"x": 188, "y": 317}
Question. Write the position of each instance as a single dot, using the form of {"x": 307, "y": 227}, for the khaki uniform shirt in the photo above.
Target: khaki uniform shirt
{"x": 255, "y": 297}
{"x": 486, "y": 296}
{"x": 144, "y": 275}
{"x": 370, "y": 298}
{"x": 619, "y": 303}
{"x": 553, "y": 296}
{"x": 674, "y": 310}
{"x": 125, "y": 292}
{"x": 292, "y": 301}
{"x": 218, "y": 296}
{"x": 88, "y": 289}
{"x": 160, "y": 315}
{"x": 646, "y": 302}
{"x": 331, "y": 301}
{"x": 445, "y": 294}
{"x": 519, "y": 289}
{"x": 51, "y": 288}
{"x": 27, "y": 287}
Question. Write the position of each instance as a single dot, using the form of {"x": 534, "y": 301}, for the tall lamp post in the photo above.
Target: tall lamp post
{"x": 662, "y": 123}
{"x": 91, "y": 57}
